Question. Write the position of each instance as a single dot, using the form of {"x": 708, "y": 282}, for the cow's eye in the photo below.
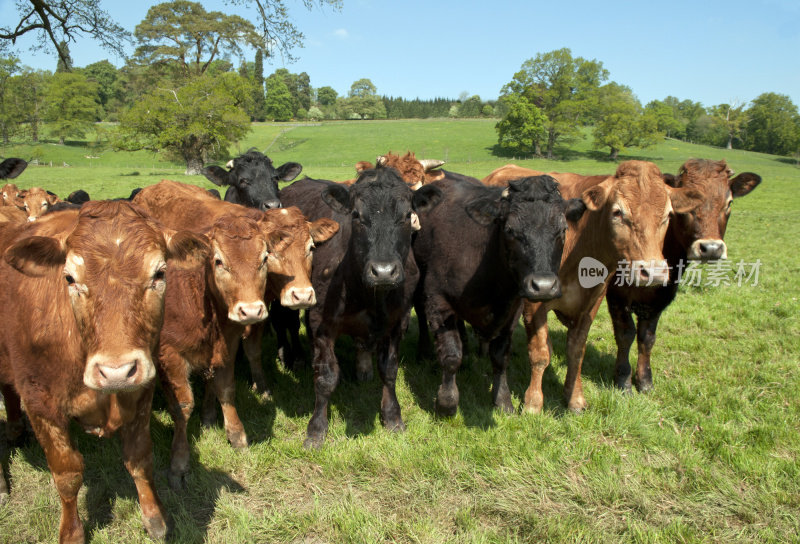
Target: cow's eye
{"x": 356, "y": 215}
{"x": 70, "y": 280}
{"x": 218, "y": 263}
{"x": 616, "y": 213}
{"x": 161, "y": 275}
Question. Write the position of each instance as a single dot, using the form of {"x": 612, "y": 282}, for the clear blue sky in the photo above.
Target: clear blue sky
{"x": 711, "y": 51}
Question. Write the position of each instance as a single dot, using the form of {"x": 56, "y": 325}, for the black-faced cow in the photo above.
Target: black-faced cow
{"x": 252, "y": 179}
{"x": 364, "y": 278}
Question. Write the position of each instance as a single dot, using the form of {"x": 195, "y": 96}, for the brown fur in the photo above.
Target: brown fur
{"x": 409, "y": 167}
{"x": 10, "y": 193}
{"x": 198, "y": 334}
{"x": 110, "y": 303}
{"x": 35, "y": 202}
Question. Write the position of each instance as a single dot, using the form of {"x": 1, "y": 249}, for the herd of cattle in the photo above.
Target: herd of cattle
{"x": 100, "y": 297}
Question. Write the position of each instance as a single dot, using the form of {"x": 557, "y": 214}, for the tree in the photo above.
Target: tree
{"x": 259, "y": 104}
{"x": 9, "y": 117}
{"x": 362, "y": 102}
{"x": 522, "y": 130}
{"x": 28, "y": 94}
{"x": 666, "y": 121}
{"x": 104, "y": 74}
{"x": 363, "y": 88}
{"x": 621, "y": 122}
{"x": 64, "y": 63}
{"x": 196, "y": 121}
{"x": 277, "y": 33}
{"x": 773, "y": 125}
{"x": 56, "y": 23}
{"x": 327, "y": 96}
{"x": 563, "y": 88}
{"x": 471, "y": 107}
{"x": 185, "y": 35}
{"x": 729, "y": 118}
{"x": 71, "y": 108}
{"x": 278, "y": 105}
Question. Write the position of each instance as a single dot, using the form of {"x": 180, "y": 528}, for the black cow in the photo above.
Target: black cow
{"x": 480, "y": 254}
{"x": 364, "y": 278}
{"x": 252, "y": 179}
{"x": 11, "y": 168}
{"x": 694, "y": 236}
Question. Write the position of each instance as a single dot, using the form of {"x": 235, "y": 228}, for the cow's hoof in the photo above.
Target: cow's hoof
{"x": 238, "y": 439}
{"x": 577, "y": 406}
{"x": 446, "y": 408}
{"x": 505, "y": 405}
{"x": 313, "y": 443}
{"x": 262, "y": 393}
{"x": 644, "y": 386}
{"x": 394, "y": 425}
{"x": 365, "y": 375}
{"x": 3, "y": 497}
{"x": 155, "y": 526}
{"x": 209, "y": 419}
{"x": 625, "y": 387}
{"x": 177, "y": 481}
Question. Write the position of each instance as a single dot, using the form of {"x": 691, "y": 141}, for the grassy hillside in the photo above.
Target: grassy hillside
{"x": 712, "y": 455}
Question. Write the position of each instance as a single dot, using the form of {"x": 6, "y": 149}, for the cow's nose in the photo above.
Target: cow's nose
{"x": 270, "y": 204}
{"x": 711, "y": 250}
{"x": 247, "y": 313}
{"x": 299, "y": 297}
{"x": 384, "y": 273}
{"x": 650, "y": 273}
{"x": 542, "y": 287}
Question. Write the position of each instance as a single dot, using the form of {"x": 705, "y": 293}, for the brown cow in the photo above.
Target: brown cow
{"x": 12, "y": 214}
{"x": 36, "y": 201}
{"x": 696, "y": 236}
{"x": 83, "y": 300}
{"x": 415, "y": 172}
{"x": 10, "y": 194}
{"x": 208, "y": 308}
{"x": 626, "y": 221}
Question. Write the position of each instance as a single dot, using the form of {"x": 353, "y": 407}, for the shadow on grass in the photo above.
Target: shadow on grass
{"x": 567, "y": 155}
{"x": 792, "y": 161}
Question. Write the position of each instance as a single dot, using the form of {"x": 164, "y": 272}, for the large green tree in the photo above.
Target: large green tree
{"x": 9, "y": 117}
{"x": 563, "y": 87}
{"x": 773, "y": 125}
{"x": 105, "y": 75}
{"x": 731, "y": 118}
{"x": 621, "y": 122}
{"x": 363, "y": 102}
{"x": 327, "y": 96}
{"x": 279, "y": 101}
{"x": 71, "y": 106}
{"x": 195, "y": 122}
{"x": 183, "y": 34}
{"x": 522, "y": 129}
{"x": 28, "y": 99}
{"x": 259, "y": 103}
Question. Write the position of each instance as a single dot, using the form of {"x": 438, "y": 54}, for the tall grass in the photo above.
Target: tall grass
{"x": 710, "y": 456}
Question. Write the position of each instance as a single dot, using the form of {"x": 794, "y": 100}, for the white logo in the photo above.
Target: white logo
{"x": 591, "y": 272}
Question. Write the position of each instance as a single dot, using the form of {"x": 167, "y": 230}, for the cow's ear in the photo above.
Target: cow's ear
{"x": 288, "y": 171}
{"x": 278, "y": 240}
{"x": 363, "y": 165}
{"x": 426, "y": 198}
{"x": 574, "y": 210}
{"x": 217, "y": 175}
{"x": 186, "y": 249}
{"x": 52, "y": 198}
{"x": 11, "y": 168}
{"x": 338, "y": 198}
{"x": 744, "y": 183}
{"x": 671, "y": 180}
{"x": 684, "y": 200}
{"x": 484, "y": 210}
{"x": 37, "y": 255}
{"x": 323, "y": 229}
{"x": 595, "y": 197}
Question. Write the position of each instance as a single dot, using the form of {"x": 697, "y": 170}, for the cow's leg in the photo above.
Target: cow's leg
{"x": 498, "y": 353}
{"x": 424, "y": 345}
{"x": 624, "y": 334}
{"x": 15, "y": 426}
{"x": 576, "y": 348}
{"x": 173, "y": 371}
{"x": 539, "y": 353}
{"x": 448, "y": 352}
{"x": 326, "y": 377}
{"x": 252, "y": 350}
{"x": 208, "y": 410}
{"x": 137, "y": 453}
{"x": 225, "y": 390}
{"x": 66, "y": 465}
{"x": 646, "y": 337}
{"x": 364, "y": 370}
{"x": 387, "y": 368}
{"x": 286, "y": 321}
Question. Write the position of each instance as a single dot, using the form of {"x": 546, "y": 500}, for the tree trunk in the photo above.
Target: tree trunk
{"x": 730, "y": 142}
{"x": 551, "y": 140}
{"x": 194, "y": 164}
{"x": 614, "y": 153}
{"x": 537, "y": 148}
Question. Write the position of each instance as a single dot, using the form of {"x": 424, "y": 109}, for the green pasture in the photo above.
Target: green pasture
{"x": 712, "y": 455}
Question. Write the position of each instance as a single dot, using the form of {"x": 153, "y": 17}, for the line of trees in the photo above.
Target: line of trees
{"x": 555, "y": 96}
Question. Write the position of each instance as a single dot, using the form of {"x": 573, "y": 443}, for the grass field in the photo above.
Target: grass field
{"x": 712, "y": 455}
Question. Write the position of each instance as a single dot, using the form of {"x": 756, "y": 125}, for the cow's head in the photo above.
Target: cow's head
{"x": 254, "y": 179}
{"x": 415, "y": 172}
{"x": 701, "y": 230}
{"x": 382, "y": 211}
{"x": 636, "y": 205}
{"x": 11, "y": 195}
{"x": 112, "y": 264}
{"x": 35, "y": 202}
{"x": 532, "y": 217}
{"x": 289, "y": 278}
{"x": 241, "y": 247}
